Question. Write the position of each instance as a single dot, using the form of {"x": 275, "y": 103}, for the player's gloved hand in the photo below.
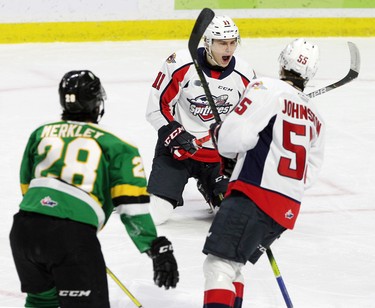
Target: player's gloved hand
{"x": 214, "y": 132}
{"x": 180, "y": 143}
{"x": 165, "y": 265}
{"x": 227, "y": 165}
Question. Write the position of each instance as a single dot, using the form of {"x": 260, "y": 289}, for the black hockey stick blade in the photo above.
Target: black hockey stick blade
{"x": 204, "y": 19}
{"x": 355, "y": 63}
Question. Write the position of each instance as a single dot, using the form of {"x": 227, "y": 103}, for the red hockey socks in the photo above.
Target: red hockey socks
{"x": 219, "y": 298}
{"x": 239, "y": 294}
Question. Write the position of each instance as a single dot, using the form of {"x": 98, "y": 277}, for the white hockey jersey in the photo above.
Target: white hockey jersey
{"x": 177, "y": 95}
{"x": 277, "y": 135}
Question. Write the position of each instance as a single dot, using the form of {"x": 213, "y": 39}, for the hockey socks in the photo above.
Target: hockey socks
{"x": 222, "y": 298}
{"x": 239, "y": 294}
{"x": 47, "y": 299}
{"x": 224, "y": 283}
{"x": 219, "y": 298}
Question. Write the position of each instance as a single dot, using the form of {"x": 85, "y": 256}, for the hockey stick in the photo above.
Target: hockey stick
{"x": 279, "y": 279}
{"x": 355, "y": 63}
{"x": 127, "y": 292}
{"x": 204, "y": 19}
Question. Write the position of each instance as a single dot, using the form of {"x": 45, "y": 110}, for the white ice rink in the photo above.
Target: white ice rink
{"x": 327, "y": 261}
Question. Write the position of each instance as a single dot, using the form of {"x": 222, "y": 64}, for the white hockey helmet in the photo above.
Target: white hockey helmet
{"x": 220, "y": 28}
{"x": 301, "y": 57}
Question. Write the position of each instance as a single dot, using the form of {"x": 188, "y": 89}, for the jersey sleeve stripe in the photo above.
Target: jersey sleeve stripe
{"x": 171, "y": 91}
{"x": 130, "y": 199}
{"x": 132, "y": 209}
{"x": 24, "y": 188}
{"x": 128, "y": 190}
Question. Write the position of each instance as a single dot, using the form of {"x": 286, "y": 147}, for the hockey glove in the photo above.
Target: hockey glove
{"x": 214, "y": 133}
{"x": 180, "y": 143}
{"x": 165, "y": 265}
{"x": 227, "y": 165}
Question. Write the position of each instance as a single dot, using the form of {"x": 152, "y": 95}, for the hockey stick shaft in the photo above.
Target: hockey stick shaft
{"x": 279, "y": 279}
{"x": 127, "y": 292}
{"x": 204, "y": 19}
{"x": 355, "y": 63}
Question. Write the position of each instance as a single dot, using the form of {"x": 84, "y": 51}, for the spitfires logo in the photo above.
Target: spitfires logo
{"x": 199, "y": 106}
{"x": 47, "y": 201}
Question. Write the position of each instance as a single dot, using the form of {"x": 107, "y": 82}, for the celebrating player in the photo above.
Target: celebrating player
{"x": 73, "y": 174}
{"x": 178, "y": 109}
{"x": 276, "y": 136}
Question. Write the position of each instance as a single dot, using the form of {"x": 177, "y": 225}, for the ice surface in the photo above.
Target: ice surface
{"x": 327, "y": 261}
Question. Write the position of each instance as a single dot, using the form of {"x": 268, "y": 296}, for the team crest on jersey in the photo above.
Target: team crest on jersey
{"x": 199, "y": 106}
{"x": 172, "y": 58}
{"x": 289, "y": 215}
{"x": 258, "y": 86}
{"x": 47, "y": 201}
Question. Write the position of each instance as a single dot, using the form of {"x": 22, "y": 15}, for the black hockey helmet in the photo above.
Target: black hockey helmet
{"x": 81, "y": 93}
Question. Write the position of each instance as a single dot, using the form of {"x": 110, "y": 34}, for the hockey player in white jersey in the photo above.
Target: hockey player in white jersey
{"x": 178, "y": 109}
{"x": 276, "y": 136}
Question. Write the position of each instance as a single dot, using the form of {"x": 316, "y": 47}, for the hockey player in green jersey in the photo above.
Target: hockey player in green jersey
{"x": 73, "y": 174}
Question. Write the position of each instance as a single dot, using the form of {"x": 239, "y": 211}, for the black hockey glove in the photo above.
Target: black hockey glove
{"x": 180, "y": 143}
{"x": 214, "y": 133}
{"x": 165, "y": 265}
{"x": 226, "y": 164}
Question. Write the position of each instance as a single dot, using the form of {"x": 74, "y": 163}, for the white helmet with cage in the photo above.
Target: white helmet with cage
{"x": 220, "y": 28}
{"x": 301, "y": 57}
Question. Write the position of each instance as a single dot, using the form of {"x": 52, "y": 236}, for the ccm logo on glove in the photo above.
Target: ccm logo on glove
{"x": 181, "y": 144}
{"x": 173, "y": 135}
{"x": 165, "y": 266}
{"x": 166, "y": 248}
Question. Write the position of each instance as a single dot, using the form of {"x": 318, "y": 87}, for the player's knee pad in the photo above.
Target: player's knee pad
{"x": 220, "y": 273}
{"x": 160, "y": 209}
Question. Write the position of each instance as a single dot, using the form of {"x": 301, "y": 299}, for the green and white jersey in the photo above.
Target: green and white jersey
{"x": 79, "y": 171}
